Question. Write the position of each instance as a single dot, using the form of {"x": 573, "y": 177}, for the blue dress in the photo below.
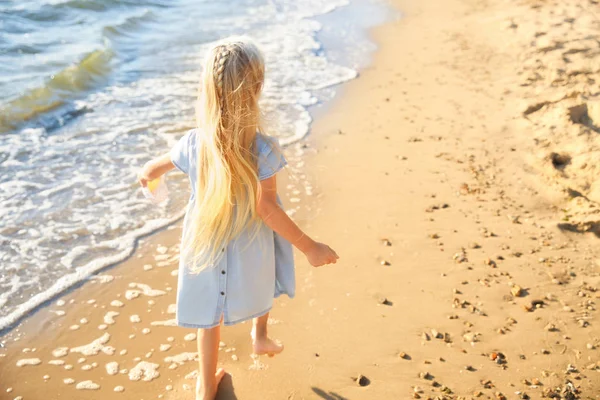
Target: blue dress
{"x": 251, "y": 271}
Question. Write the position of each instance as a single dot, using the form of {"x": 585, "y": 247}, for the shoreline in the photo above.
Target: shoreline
{"x": 454, "y": 281}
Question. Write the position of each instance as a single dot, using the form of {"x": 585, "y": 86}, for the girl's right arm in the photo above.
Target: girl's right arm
{"x": 275, "y": 218}
{"x": 154, "y": 169}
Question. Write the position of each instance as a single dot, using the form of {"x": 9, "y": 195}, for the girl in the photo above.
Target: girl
{"x": 236, "y": 251}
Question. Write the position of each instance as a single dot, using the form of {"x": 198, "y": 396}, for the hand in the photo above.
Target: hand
{"x": 320, "y": 254}
{"x": 143, "y": 177}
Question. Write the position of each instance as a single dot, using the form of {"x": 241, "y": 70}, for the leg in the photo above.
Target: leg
{"x": 260, "y": 341}
{"x": 208, "y": 354}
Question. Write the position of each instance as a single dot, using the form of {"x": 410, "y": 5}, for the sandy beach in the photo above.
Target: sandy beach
{"x": 457, "y": 180}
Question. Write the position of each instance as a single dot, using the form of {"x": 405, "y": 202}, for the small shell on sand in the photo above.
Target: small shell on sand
{"x": 116, "y": 303}
{"x": 119, "y": 389}
{"x": 60, "y": 352}
{"x": 46, "y": 377}
{"x": 60, "y": 313}
{"x": 172, "y": 309}
{"x": 102, "y": 327}
{"x": 189, "y": 337}
{"x": 109, "y": 318}
{"x": 123, "y": 352}
{"x": 60, "y": 303}
{"x": 28, "y": 361}
{"x": 234, "y": 357}
{"x": 86, "y": 367}
{"x": 146, "y": 331}
{"x": 164, "y": 347}
{"x": 112, "y": 368}
{"x": 68, "y": 367}
{"x": 144, "y": 370}
{"x": 169, "y": 388}
{"x": 69, "y": 381}
{"x": 135, "y": 319}
{"x": 74, "y": 327}
{"x": 56, "y": 362}
{"x": 87, "y": 385}
{"x": 147, "y": 267}
{"x": 149, "y": 354}
{"x": 81, "y": 360}
{"x": 83, "y": 321}
{"x": 170, "y": 339}
{"x": 175, "y": 272}
{"x": 91, "y": 301}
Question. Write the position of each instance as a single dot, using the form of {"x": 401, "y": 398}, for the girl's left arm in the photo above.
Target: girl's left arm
{"x": 154, "y": 169}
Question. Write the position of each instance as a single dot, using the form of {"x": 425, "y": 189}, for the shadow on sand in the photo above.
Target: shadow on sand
{"x": 226, "y": 390}
{"x": 327, "y": 395}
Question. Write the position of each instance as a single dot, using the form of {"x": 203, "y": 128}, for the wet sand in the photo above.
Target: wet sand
{"x": 464, "y": 271}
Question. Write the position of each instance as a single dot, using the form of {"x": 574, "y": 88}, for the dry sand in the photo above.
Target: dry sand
{"x": 467, "y": 269}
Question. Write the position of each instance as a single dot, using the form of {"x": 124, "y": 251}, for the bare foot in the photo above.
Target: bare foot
{"x": 266, "y": 346}
{"x": 209, "y": 391}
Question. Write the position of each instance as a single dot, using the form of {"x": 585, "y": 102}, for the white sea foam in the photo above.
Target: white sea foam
{"x": 93, "y": 348}
{"x": 145, "y": 371}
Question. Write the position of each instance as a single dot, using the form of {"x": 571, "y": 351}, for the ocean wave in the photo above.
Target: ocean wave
{"x": 129, "y": 25}
{"x": 124, "y": 246}
{"x": 63, "y": 86}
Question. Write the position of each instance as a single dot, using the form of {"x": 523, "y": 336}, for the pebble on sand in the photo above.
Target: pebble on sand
{"x": 189, "y": 337}
{"x": 362, "y": 380}
{"x": 56, "y": 362}
{"x": 28, "y": 361}
{"x": 119, "y": 389}
{"x": 164, "y": 347}
{"x": 516, "y": 291}
{"x": 87, "y": 385}
{"x": 135, "y": 319}
{"x": 68, "y": 381}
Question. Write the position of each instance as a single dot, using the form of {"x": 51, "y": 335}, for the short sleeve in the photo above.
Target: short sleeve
{"x": 270, "y": 157}
{"x": 180, "y": 153}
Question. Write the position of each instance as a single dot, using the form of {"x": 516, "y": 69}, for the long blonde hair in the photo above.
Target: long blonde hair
{"x": 228, "y": 118}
